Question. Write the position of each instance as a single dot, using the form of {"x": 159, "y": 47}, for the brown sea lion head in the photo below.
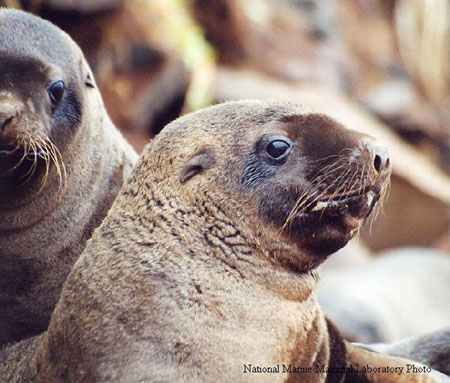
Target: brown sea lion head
{"x": 294, "y": 179}
{"x": 44, "y": 81}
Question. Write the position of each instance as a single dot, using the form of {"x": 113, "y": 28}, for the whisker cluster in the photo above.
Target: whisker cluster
{"x": 339, "y": 180}
{"x": 38, "y": 145}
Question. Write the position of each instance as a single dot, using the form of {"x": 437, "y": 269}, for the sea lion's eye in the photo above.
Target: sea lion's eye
{"x": 56, "y": 92}
{"x": 278, "y": 149}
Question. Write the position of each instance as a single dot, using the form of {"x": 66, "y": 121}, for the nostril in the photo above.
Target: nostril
{"x": 377, "y": 163}
{"x": 6, "y": 123}
{"x": 8, "y": 111}
{"x": 380, "y": 158}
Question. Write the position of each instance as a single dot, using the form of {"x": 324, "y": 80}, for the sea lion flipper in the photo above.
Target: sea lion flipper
{"x": 369, "y": 366}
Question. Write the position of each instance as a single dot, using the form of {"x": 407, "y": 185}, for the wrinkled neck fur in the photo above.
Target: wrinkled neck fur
{"x": 219, "y": 232}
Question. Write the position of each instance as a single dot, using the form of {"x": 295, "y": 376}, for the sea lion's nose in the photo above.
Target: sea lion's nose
{"x": 7, "y": 114}
{"x": 381, "y": 160}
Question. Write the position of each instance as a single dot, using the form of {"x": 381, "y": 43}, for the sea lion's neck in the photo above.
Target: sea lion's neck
{"x": 223, "y": 233}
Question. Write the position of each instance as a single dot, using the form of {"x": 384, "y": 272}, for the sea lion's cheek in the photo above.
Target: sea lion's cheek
{"x": 276, "y": 202}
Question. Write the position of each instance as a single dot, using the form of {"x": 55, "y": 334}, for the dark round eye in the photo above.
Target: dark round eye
{"x": 278, "y": 149}
{"x": 56, "y": 92}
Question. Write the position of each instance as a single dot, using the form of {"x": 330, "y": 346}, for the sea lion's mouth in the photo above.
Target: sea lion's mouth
{"x": 9, "y": 158}
{"x": 356, "y": 204}
{"x": 346, "y": 211}
{"x": 329, "y": 222}
{"x": 17, "y": 151}
{"x": 7, "y": 151}
{"x": 25, "y": 170}
{"x": 18, "y": 164}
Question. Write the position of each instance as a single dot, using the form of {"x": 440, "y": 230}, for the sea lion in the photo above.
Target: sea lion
{"x": 398, "y": 294}
{"x": 62, "y": 163}
{"x": 432, "y": 349}
{"x": 204, "y": 269}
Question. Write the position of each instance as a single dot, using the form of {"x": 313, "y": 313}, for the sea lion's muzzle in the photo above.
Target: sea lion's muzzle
{"x": 332, "y": 181}
{"x": 381, "y": 159}
{"x": 8, "y": 115}
{"x": 355, "y": 190}
{"x": 21, "y": 156}
{"x": 9, "y": 111}
{"x": 378, "y": 155}
{"x": 343, "y": 195}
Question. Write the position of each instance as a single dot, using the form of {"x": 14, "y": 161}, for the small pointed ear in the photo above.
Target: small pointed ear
{"x": 86, "y": 73}
{"x": 89, "y": 81}
{"x": 197, "y": 164}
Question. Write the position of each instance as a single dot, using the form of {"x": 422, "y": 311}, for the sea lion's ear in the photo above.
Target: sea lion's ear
{"x": 86, "y": 74}
{"x": 201, "y": 161}
{"x": 89, "y": 81}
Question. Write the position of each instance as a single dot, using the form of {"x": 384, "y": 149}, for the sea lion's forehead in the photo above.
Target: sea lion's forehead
{"x": 247, "y": 115}
{"x": 27, "y": 78}
{"x": 16, "y": 67}
{"x": 239, "y": 124}
{"x": 291, "y": 123}
{"x": 29, "y": 37}
{"x": 295, "y": 124}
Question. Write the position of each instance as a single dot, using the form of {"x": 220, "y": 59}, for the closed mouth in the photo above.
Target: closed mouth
{"x": 356, "y": 204}
{"x": 19, "y": 152}
{"x": 8, "y": 151}
{"x": 15, "y": 163}
{"x": 347, "y": 210}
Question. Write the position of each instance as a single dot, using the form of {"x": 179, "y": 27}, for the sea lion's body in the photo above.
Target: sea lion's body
{"x": 62, "y": 163}
{"x": 205, "y": 267}
{"x": 411, "y": 296}
{"x": 432, "y": 349}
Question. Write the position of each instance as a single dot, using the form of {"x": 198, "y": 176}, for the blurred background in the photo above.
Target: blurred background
{"x": 381, "y": 67}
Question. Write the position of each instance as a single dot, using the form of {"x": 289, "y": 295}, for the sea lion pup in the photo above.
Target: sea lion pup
{"x": 204, "y": 269}
{"x": 62, "y": 163}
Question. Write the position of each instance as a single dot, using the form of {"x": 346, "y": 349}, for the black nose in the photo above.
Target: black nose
{"x": 7, "y": 113}
{"x": 381, "y": 158}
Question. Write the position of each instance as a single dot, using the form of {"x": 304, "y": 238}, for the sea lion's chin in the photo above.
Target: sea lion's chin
{"x": 327, "y": 226}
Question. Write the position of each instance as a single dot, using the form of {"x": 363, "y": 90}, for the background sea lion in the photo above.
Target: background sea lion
{"x": 206, "y": 264}
{"x": 432, "y": 349}
{"x": 62, "y": 163}
{"x": 398, "y": 294}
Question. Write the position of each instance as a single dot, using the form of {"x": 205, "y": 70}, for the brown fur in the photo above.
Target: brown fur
{"x": 189, "y": 278}
{"x": 45, "y": 220}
